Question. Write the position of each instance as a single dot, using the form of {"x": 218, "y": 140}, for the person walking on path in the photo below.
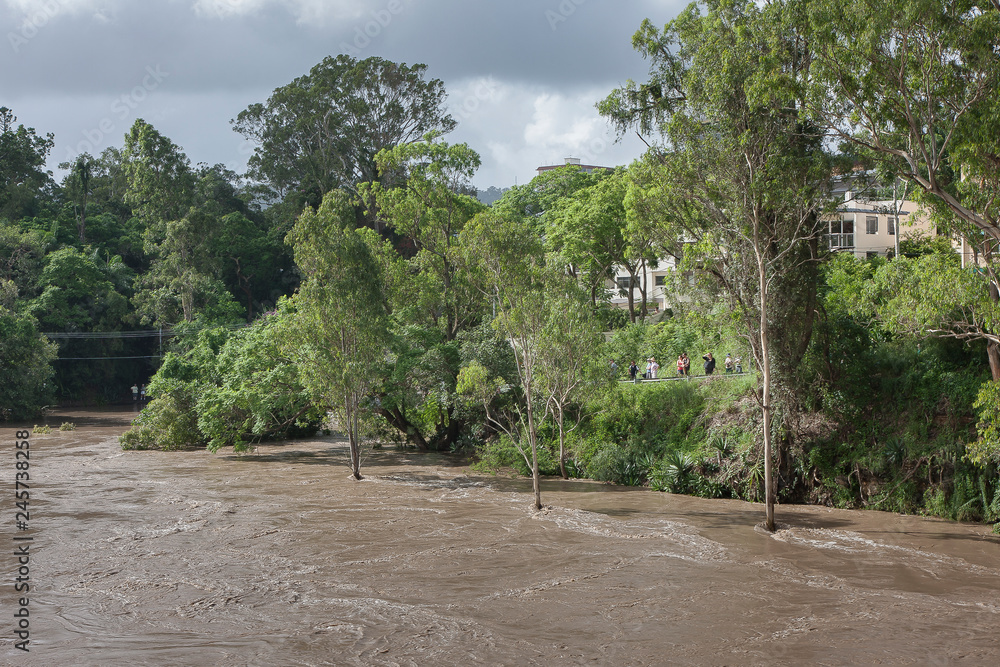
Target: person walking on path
{"x": 142, "y": 393}
{"x": 135, "y": 392}
{"x": 687, "y": 364}
{"x": 729, "y": 364}
{"x": 653, "y": 368}
{"x": 633, "y": 370}
{"x": 680, "y": 365}
{"x": 709, "y": 363}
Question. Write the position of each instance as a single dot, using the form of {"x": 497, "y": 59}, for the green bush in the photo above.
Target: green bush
{"x": 231, "y": 389}
{"x": 499, "y": 453}
{"x": 675, "y": 473}
{"x": 168, "y": 422}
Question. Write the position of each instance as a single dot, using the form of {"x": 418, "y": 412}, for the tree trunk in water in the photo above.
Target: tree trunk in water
{"x": 444, "y": 439}
{"x": 535, "y": 477}
{"x": 766, "y": 405}
{"x": 352, "y": 438}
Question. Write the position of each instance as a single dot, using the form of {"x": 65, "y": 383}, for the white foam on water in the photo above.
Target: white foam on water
{"x": 688, "y": 543}
{"x": 855, "y": 543}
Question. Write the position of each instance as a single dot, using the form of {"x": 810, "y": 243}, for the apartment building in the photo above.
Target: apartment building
{"x": 653, "y": 278}
{"x": 872, "y": 227}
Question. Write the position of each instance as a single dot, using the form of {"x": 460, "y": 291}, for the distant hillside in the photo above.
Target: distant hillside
{"x": 491, "y": 194}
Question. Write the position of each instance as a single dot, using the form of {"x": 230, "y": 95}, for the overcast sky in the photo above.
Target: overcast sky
{"x": 522, "y": 75}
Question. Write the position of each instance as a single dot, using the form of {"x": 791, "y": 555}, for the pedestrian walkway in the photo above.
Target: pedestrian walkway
{"x": 640, "y": 380}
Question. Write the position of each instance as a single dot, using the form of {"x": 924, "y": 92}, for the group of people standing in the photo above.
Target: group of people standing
{"x": 633, "y": 369}
{"x": 139, "y": 393}
{"x": 683, "y": 366}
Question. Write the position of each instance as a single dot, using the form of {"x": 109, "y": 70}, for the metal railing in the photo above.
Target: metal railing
{"x": 841, "y": 240}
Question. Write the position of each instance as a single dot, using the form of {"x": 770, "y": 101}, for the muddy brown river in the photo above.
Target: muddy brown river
{"x": 278, "y": 558}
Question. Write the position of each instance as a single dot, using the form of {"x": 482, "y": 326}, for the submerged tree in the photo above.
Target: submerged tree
{"x": 569, "y": 367}
{"x": 26, "y": 358}
{"x": 341, "y": 329}
{"x": 742, "y": 172}
{"x": 508, "y": 267}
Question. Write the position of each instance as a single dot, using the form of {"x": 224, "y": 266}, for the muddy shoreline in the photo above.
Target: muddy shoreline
{"x": 278, "y": 558}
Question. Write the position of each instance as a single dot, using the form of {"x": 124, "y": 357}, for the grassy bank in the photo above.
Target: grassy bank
{"x": 889, "y": 433}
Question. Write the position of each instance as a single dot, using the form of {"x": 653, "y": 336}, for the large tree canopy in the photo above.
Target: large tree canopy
{"x": 743, "y": 174}
{"x": 341, "y": 333}
{"x": 159, "y": 181}
{"x": 912, "y": 84}
{"x": 323, "y": 130}
{"x": 22, "y": 166}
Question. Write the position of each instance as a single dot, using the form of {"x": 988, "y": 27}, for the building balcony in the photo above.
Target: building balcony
{"x": 841, "y": 241}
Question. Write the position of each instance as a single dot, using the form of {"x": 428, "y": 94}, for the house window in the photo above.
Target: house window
{"x": 871, "y": 224}
{"x": 892, "y": 225}
{"x": 624, "y": 282}
{"x": 659, "y": 281}
{"x": 842, "y": 233}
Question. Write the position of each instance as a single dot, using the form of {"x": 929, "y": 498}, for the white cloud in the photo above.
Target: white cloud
{"x": 306, "y": 12}
{"x": 565, "y": 125}
{"x": 518, "y": 128}
{"x": 39, "y": 12}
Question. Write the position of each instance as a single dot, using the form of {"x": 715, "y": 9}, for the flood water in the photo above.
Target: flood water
{"x": 279, "y": 558}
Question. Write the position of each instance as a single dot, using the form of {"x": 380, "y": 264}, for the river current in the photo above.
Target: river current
{"x": 279, "y": 558}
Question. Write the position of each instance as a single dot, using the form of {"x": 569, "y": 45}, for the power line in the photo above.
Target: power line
{"x": 105, "y": 334}
{"x": 152, "y": 356}
{"x": 146, "y": 333}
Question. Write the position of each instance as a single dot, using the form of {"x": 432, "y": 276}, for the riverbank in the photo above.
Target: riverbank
{"x": 151, "y": 558}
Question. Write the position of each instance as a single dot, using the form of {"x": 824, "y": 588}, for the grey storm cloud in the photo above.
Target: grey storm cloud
{"x": 75, "y": 66}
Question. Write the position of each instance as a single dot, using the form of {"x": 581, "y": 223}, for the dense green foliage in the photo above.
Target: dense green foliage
{"x": 230, "y": 389}
{"x": 25, "y": 366}
{"x": 356, "y": 284}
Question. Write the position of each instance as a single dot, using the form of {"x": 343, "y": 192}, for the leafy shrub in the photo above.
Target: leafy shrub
{"x": 616, "y": 465}
{"x": 230, "y": 389}
{"x": 675, "y": 474}
{"x": 501, "y": 452}
{"x": 167, "y": 422}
